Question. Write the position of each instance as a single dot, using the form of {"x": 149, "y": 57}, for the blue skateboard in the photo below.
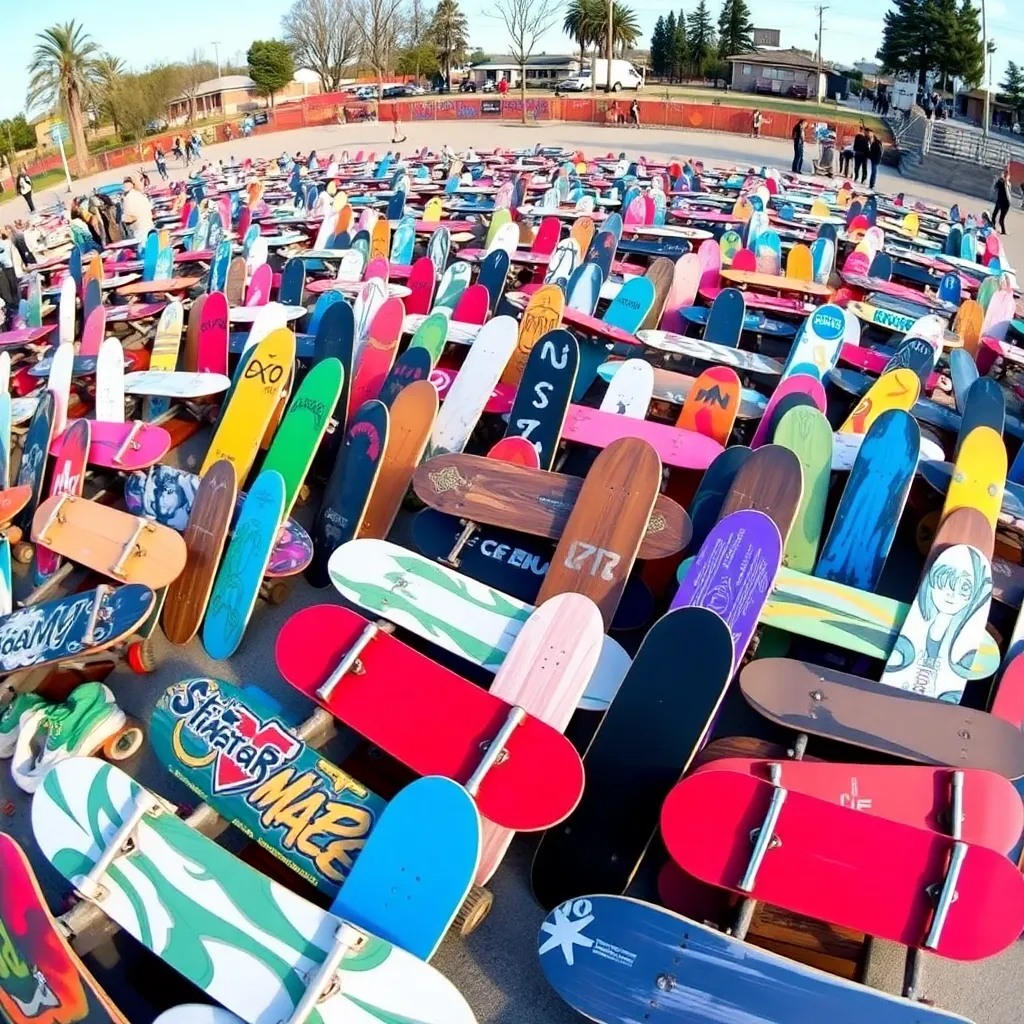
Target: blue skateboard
{"x": 753, "y": 323}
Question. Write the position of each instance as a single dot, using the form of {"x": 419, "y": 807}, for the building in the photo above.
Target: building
{"x": 971, "y": 105}
{"x": 542, "y": 70}
{"x": 237, "y": 94}
{"x": 778, "y": 73}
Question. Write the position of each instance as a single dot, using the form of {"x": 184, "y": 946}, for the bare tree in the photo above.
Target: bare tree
{"x": 417, "y": 25}
{"x": 526, "y": 21}
{"x": 380, "y": 24}
{"x": 194, "y": 71}
{"x": 323, "y": 38}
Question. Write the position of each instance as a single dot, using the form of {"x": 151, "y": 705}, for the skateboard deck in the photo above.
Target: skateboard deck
{"x": 241, "y": 572}
{"x": 769, "y": 481}
{"x": 616, "y": 959}
{"x": 631, "y": 744}
{"x": 110, "y": 382}
{"x": 461, "y": 718}
{"x": 865, "y": 522}
{"x": 898, "y": 723}
{"x": 912, "y": 794}
{"x": 252, "y": 404}
{"x": 58, "y": 383}
{"x": 543, "y": 313}
{"x": 409, "y": 893}
{"x": 802, "y": 385}
{"x": 967, "y": 526}
{"x": 58, "y": 630}
{"x": 168, "y": 337}
{"x": 210, "y": 354}
{"x": 303, "y": 427}
{"x": 117, "y": 544}
{"x": 898, "y": 389}
{"x": 807, "y": 433}
{"x": 43, "y": 980}
{"x": 605, "y": 529}
{"x": 350, "y": 486}
{"x": 411, "y": 366}
{"x": 708, "y": 352}
{"x": 985, "y": 406}
{"x": 175, "y": 383}
{"x": 711, "y": 406}
{"x": 940, "y": 636}
{"x": 431, "y": 335}
{"x": 121, "y": 446}
{"x": 453, "y": 611}
{"x": 377, "y": 355}
{"x": 978, "y": 476}
{"x": 733, "y": 574}
{"x": 209, "y": 518}
{"x": 531, "y": 501}
{"x": 629, "y": 391}
{"x": 817, "y": 345}
{"x": 274, "y": 939}
{"x": 68, "y": 478}
{"x": 32, "y": 471}
{"x": 255, "y": 772}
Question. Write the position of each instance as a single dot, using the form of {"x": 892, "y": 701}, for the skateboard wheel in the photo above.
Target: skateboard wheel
{"x": 13, "y": 534}
{"x": 475, "y": 907}
{"x": 141, "y": 656}
{"x": 23, "y": 552}
{"x": 303, "y": 495}
{"x": 123, "y": 744}
{"x": 277, "y": 592}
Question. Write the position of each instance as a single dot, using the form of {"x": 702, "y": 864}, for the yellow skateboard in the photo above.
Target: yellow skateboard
{"x": 898, "y": 389}
{"x": 252, "y": 403}
{"x": 543, "y": 313}
{"x": 168, "y": 337}
{"x": 979, "y": 475}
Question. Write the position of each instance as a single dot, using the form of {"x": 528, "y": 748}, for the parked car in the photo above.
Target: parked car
{"x": 489, "y": 87}
{"x": 414, "y": 89}
{"x": 366, "y": 92}
{"x": 393, "y": 92}
{"x": 467, "y": 85}
{"x": 158, "y": 124}
{"x": 575, "y": 83}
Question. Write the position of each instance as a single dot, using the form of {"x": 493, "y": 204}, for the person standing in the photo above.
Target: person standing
{"x": 874, "y": 156}
{"x": 397, "y": 135}
{"x": 755, "y": 124}
{"x": 1002, "y": 207}
{"x": 24, "y": 187}
{"x": 161, "y": 162}
{"x": 634, "y": 113}
{"x": 136, "y": 212}
{"x": 860, "y": 155}
{"x": 798, "y": 146}
{"x": 9, "y": 286}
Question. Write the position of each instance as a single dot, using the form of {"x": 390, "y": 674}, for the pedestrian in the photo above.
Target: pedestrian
{"x": 634, "y": 113}
{"x": 503, "y": 87}
{"x": 28, "y": 257}
{"x": 24, "y": 187}
{"x": 396, "y": 126}
{"x": 860, "y": 155}
{"x": 161, "y": 163}
{"x": 874, "y": 156}
{"x": 1002, "y": 207}
{"x": 136, "y": 211}
{"x": 846, "y": 156}
{"x": 798, "y": 146}
{"x": 755, "y": 124}
{"x": 80, "y": 233}
{"x": 9, "y": 286}
{"x": 312, "y": 163}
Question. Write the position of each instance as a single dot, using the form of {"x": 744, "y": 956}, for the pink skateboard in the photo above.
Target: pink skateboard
{"x": 122, "y": 446}
{"x": 501, "y": 398}
{"x": 874, "y": 362}
{"x": 596, "y": 326}
{"x": 378, "y": 354}
{"x": 212, "y": 354}
{"x": 25, "y": 336}
{"x": 798, "y": 384}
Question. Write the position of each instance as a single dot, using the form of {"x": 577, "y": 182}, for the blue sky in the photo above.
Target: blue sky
{"x": 143, "y": 33}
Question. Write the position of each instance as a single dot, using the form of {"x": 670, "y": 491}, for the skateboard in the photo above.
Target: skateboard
{"x": 209, "y": 518}
{"x": 166, "y": 494}
{"x": 377, "y": 355}
{"x": 500, "y": 753}
{"x": 350, "y": 487}
{"x": 43, "y": 979}
{"x": 616, "y": 959}
{"x": 712, "y": 404}
{"x": 801, "y": 384}
{"x": 110, "y": 382}
{"x": 912, "y": 794}
{"x": 908, "y": 726}
{"x": 705, "y": 351}
{"x": 60, "y": 630}
{"x": 244, "y": 565}
{"x": 984, "y": 406}
{"x": 769, "y": 481}
{"x": 303, "y": 427}
{"x": 865, "y": 522}
{"x": 431, "y": 335}
{"x": 629, "y": 392}
{"x": 806, "y": 432}
{"x": 465, "y": 400}
{"x": 817, "y": 345}
{"x": 175, "y": 384}
{"x": 733, "y": 574}
{"x": 969, "y": 526}
{"x": 58, "y": 383}
{"x": 164, "y": 355}
{"x": 208, "y": 353}
{"x": 898, "y": 389}
{"x": 481, "y": 490}
{"x": 807, "y": 837}
{"x": 117, "y": 544}
{"x": 897, "y": 323}
{"x": 978, "y": 477}
{"x": 255, "y": 772}
{"x": 940, "y": 636}
{"x": 68, "y": 478}
{"x": 451, "y": 610}
{"x": 963, "y": 372}
{"x": 250, "y": 407}
{"x": 411, "y": 366}
{"x": 583, "y": 853}
{"x": 32, "y": 471}
{"x": 454, "y": 281}
{"x": 202, "y": 902}
{"x": 543, "y": 313}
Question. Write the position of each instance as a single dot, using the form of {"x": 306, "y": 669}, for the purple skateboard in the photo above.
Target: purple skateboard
{"x": 25, "y": 336}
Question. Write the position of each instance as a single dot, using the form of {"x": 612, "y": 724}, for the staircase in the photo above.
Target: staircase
{"x": 951, "y": 156}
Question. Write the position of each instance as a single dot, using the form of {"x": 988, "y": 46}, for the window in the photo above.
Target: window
{"x": 747, "y": 69}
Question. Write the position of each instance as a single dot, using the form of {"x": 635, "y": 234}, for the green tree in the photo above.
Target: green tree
{"x": 582, "y": 23}
{"x": 106, "y": 75}
{"x": 140, "y": 99}
{"x": 477, "y": 56}
{"x": 1013, "y": 86}
{"x": 700, "y": 35}
{"x": 271, "y": 66}
{"x": 16, "y": 135}
{"x": 449, "y": 32}
{"x": 676, "y": 46}
{"x": 61, "y": 71}
{"x": 625, "y": 28}
{"x": 968, "y": 45}
{"x": 735, "y": 28}
{"x": 659, "y": 48}
{"x": 419, "y": 60}
{"x": 913, "y": 35}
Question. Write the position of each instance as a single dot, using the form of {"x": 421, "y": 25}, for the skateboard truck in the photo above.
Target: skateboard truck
{"x": 131, "y": 547}
{"x": 350, "y": 659}
{"x": 326, "y": 982}
{"x": 56, "y": 516}
{"x": 764, "y": 838}
{"x": 948, "y": 893}
{"x": 94, "y": 615}
{"x": 468, "y": 529}
{"x": 495, "y": 750}
{"x": 130, "y": 444}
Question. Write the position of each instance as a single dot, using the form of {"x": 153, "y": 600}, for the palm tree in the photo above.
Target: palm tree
{"x": 449, "y": 32}
{"x": 62, "y": 69}
{"x": 582, "y": 22}
{"x": 625, "y": 27}
{"x": 107, "y": 73}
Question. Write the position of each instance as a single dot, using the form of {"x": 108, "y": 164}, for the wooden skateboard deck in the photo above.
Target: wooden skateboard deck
{"x": 255, "y": 772}
{"x": 769, "y": 481}
{"x": 837, "y": 846}
{"x": 114, "y": 543}
{"x": 799, "y": 384}
{"x": 350, "y": 487}
{"x": 681, "y": 971}
{"x": 898, "y": 389}
{"x": 43, "y": 980}
{"x": 865, "y": 523}
{"x": 530, "y": 501}
{"x": 411, "y": 419}
{"x": 603, "y": 533}
{"x": 252, "y": 404}
{"x": 444, "y": 722}
{"x": 912, "y": 794}
{"x": 32, "y": 471}
{"x": 68, "y": 478}
{"x": 543, "y": 313}
{"x": 583, "y": 853}
{"x": 209, "y": 518}
{"x": 807, "y": 433}
{"x": 712, "y": 404}
{"x": 241, "y": 572}
{"x": 898, "y": 723}
{"x": 121, "y": 446}
{"x": 274, "y": 939}
{"x": 979, "y": 475}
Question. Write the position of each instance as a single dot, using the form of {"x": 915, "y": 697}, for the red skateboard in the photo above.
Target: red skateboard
{"x": 378, "y": 354}
{"x": 431, "y": 719}
{"x": 911, "y": 794}
{"x": 881, "y": 877}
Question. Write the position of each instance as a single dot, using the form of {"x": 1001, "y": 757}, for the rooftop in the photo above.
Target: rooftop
{"x": 791, "y": 58}
{"x": 540, "y": 60}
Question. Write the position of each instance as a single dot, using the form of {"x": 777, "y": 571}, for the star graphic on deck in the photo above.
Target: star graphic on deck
{"x": 565, "y": 933}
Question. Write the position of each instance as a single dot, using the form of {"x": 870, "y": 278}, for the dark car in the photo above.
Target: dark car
{"x": 467, "y": 85}
{"x": 394, "y": 92}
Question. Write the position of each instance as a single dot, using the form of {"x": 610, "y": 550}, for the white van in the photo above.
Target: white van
{"x": 624, "y": 76}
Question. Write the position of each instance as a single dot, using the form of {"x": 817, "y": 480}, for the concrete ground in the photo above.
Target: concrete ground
{"x": 496, "y": 968}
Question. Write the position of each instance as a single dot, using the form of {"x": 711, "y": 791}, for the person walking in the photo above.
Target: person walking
{"x": 874, "y": 156}
{"x": 397, "y": 135}
{"x": 860, "y": 155}
{"x": 755, "y": 124}
{"x": 161, "y": 162}
{"x": 634, "y": 113}
{"x": 798, "y": 146}
{"x": 24, "y": 187}
{"x": 9, "y": 285}
{"x": 1002, "y": 207}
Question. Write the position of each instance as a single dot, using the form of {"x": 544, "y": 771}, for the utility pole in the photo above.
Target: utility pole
{"x": 821, "y": 18}
{"x": 216, "y": 53}
{"x": 988, "y": 61}
{"x": 608, "y": 61}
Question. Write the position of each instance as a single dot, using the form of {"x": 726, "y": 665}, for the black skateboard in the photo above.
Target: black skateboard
{"x": 412, "y": 365}
{"x": 335, "y": 336}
